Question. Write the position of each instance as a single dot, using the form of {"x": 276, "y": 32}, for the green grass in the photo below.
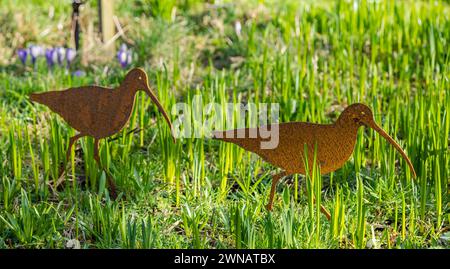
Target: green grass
{"x": 312, "y": 57}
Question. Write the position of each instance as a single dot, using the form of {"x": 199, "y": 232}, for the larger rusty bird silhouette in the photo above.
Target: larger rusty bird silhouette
{"x": 335, "y": 143}
{"x": 97, "y": 111}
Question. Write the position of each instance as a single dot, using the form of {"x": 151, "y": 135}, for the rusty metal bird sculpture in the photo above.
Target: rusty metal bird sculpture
{"x": 97, "y": 111}
{"x": 335, "y": 143}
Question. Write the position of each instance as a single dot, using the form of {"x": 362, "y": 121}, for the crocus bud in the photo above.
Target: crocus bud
{"x": 35, "y": 51}
{"x": 22, "y": 53}
{"x": 122, "y": 57}
{"x": 129, "y": 57}
{"x": 51, "y": 57}
{"x": 238, "y": 28}
{"x": 70, "y": 55}
{"x": 61, "y": 52}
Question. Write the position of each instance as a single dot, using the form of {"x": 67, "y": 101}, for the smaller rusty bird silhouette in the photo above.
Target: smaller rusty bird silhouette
{"x": 97, "y": 111}
{"x": 335, "y": 143}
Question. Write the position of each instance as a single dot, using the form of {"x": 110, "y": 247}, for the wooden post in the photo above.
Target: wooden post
{"x": 107, "y": 28}
{"x": 76, "y": 23}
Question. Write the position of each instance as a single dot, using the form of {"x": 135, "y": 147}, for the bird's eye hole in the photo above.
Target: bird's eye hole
{"x": 363, "y": 113}
{"x": 140, "y": 77}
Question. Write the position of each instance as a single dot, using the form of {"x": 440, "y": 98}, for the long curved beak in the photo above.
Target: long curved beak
{"x": 160, "y": 108}
{"x": 378, "y": 129}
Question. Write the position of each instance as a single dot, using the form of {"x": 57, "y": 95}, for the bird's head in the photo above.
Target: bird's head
{"x": 359, "y": 114}
{"x": 139, "y": 78}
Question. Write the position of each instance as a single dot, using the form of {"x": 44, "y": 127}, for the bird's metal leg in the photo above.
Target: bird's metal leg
{"x": 322, "y": 208}
{"x": 72, "y": 141}
{"x": 111, "y": 184}
{"x": 325, "y": 212}
{"x": 275, "y": 180}
{"x": 96, "y": 155}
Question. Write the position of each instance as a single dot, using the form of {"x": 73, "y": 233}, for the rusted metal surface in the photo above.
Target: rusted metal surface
{"x": 335, "y": 143}
{"x": 97, "y": 111}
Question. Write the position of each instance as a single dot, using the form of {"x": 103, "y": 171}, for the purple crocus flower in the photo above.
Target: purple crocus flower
{"x": 129, "y": 57}
{"x": 51, "y": 57}
{"x": 35, "y": 51}
{"x": 79, "y": 73}
{"x": 124, "y": 56}
{"x": 22, "y": 53}
{"x": 70, "y": 55}
{"x": 61, "y": 52}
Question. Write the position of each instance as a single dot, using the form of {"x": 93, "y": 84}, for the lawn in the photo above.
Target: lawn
{"x": 313, "y": 58}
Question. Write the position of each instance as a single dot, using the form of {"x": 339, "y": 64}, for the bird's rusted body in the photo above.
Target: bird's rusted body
{"x": 97, "y": 111}
{"x": 288, "y": 155}
{"x": 332, "y": 143}
{"x": 108, "y": 113}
